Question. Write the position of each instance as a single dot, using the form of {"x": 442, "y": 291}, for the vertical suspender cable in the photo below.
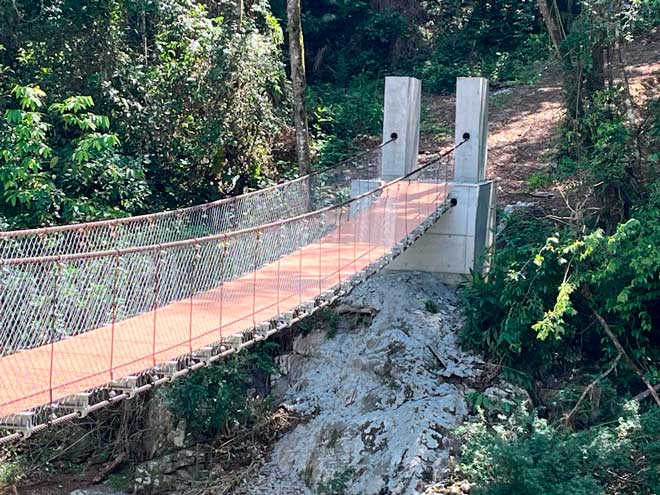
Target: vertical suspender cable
{"x": 159, "y": 262}
{"x": 59, "y": 266}
{"x": 115, "y": 305}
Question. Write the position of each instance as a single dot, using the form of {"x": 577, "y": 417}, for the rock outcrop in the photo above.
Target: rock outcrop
{"x": 100, "y": 490}
{"x": 172, "y": 472}
{"x": 383, "y": 385}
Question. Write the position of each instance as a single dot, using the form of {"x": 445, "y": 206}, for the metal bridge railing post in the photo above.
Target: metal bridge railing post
{"x": 223, "y": 274}
{"x": 115, "y": 305}
{"x": 191, "y": 281}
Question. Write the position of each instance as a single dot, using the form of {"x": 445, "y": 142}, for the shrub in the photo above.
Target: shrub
{"x": 648, "y": 15}
{"x": 63, "y": 165}
{"x": 341, "y": 116}
{"x": 501, "y": 309}
{"x": 542, "y": 300}
{"x": 194, "y": 97}
{"x": 528, "y": 456}
{"x": 212, "y": 399}
{"x": 537, "y": 305}
{"x": 499, "y": 40}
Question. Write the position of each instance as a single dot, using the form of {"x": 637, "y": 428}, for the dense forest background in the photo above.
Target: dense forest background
{"x": 196, "y": 94}
{"x": 118, "y": 107}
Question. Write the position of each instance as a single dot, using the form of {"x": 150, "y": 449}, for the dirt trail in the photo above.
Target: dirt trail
{"x": 524, "y": 124}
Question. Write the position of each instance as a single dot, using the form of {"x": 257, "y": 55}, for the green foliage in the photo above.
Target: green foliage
{"x": 193, "y": 96}
{"x": 478, "y": 401}
{"x": 528, "y": 456}
{"x": 204, "y": 105}
{"x": 212, "y": 399}
{"x": 431, "y": 306}
{"x": 326, "y": 319}
{"x": 500, "y": 40}
{"x": 533, "y": 293}
{"x": 539, "y": 180}
{"x": 501, "y": 309}
{"x": 119, "y": 482}
{"x": 619, "y": 276}
{"x": 338, "y": 485}
{"x": 346, "y": 38}
{"x": 341, "y": 116}
{"x": 648, "y": 15}
{"x": 12, "y": 471}
{"x": 536, "y": 307}
{"x": 553, "y": 322}
{"x": 63, "y": 166}
{"x": 606, "y": 152}
{"x": 589, "y": 34}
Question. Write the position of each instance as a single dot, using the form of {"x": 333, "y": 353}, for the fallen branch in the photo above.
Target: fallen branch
{"x": 646, "y": 393}
{"x": 631, "y": 364}
{"x": 109, "y": 468}
{"x": 359, "y": 310}
{"x": 437, "y": 356}
{"x": 567, "y": 419}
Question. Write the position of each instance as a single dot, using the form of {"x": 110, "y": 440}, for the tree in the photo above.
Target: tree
{"x": 550, "y": 24}
{"x": 585, "y": 35}
{"x": 298, "y": 80}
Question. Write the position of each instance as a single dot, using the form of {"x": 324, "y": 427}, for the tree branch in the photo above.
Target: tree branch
{"x": 567, "y": 419}
{"x": 631, "y": 364}
{"x": 646, "y": 393}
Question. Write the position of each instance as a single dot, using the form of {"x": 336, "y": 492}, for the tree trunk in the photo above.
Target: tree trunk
{"x": 239, "y": 12}
{"x": 550, "y": 25}
{"x": 297, "y": 57}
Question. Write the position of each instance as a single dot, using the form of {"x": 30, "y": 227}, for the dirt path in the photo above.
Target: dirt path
{"x": 524, "y": 125}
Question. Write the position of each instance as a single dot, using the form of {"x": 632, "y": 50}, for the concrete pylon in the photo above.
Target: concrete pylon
{"x": 403, "y": 103}
{"x": 456, "y": 245}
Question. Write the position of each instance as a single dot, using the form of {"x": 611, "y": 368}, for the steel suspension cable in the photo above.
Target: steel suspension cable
{"x": 268, "y": 204}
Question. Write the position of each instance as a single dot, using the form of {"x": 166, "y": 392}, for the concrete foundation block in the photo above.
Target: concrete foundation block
{"x": 457, "y": 243}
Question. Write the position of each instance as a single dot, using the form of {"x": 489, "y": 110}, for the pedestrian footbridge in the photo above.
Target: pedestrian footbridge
{"x": 92, "y": 314}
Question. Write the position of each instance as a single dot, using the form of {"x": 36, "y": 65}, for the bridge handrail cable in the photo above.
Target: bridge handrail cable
{"x": 288, "y": 198}
{"x": 230, "y": 234}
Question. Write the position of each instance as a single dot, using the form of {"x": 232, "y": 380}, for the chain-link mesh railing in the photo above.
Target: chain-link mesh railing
{"x": 76, "y": 321}
{"x": 330, "y": 185}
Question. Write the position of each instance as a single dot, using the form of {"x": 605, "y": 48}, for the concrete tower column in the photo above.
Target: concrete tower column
{"x": 456, "y": 245}
{"x": 403, "y": 103}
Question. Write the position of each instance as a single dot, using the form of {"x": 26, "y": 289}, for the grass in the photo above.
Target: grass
{"x": 539, "y": 180}
{"x": 431, "y": 306}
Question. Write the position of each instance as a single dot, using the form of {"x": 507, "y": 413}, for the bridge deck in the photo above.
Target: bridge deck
{"x": 49, "y": 373}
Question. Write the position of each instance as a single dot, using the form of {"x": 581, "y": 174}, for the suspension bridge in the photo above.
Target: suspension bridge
{"x": 92, "y": 314}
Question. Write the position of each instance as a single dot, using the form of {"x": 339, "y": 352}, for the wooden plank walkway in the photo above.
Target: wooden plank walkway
{"x": 93, "y": 359}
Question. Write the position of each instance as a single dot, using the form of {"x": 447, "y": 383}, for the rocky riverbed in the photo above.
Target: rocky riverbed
{"x": 383, "y": 386}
